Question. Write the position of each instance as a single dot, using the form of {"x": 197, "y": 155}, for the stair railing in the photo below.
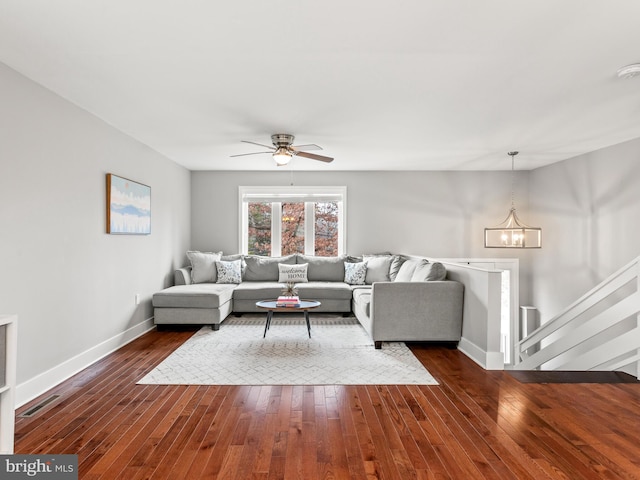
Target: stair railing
{"x": 599, "y": 331}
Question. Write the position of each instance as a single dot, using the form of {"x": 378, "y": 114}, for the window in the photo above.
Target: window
{"x": 279, "y": 221}
{"x": 260, "y": 228}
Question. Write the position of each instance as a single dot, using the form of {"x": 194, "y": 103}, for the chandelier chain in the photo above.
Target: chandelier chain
{"x": 513, "y": 175}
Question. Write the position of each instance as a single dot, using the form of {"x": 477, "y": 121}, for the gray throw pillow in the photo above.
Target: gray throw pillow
{"x": 265, "y": 269}
{"x": 203, "y": 266}
{"x": 229, "y": 272}
{"x": 429, "y": 272}
{"x": 378, "y": 267}
{"x": 324, "y": 269}
{"x": 355, "y": 273}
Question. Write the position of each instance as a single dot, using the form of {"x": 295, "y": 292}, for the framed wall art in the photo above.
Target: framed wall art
{"x": 128, "y": 206}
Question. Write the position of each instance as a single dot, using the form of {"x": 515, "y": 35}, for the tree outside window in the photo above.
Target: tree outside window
{"x": 286, "y": 220}
{"x": 292, "y": 228}
{"x": 326, "y": 229}
{"x": 259, "y": 229}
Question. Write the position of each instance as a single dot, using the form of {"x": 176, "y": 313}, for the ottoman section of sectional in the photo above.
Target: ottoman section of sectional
{"x": 200, "y": 303}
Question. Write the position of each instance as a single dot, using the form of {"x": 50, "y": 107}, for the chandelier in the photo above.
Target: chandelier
{"x": 512, "y": 233}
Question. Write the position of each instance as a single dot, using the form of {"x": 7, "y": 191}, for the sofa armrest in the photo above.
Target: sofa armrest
{"x": 417, "y": 311}
{"x": 182, "y": 276}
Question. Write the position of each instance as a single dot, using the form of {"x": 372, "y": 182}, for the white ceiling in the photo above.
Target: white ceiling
{"x": 411, "y": 84}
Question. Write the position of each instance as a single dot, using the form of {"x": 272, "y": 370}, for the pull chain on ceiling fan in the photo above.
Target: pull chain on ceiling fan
{"x": 283, "y": 150}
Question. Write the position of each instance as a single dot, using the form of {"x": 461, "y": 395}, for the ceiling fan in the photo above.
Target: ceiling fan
{"x": 283, "y": 150}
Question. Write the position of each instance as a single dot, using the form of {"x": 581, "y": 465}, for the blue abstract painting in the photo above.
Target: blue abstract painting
{"x": 128, "y": 206}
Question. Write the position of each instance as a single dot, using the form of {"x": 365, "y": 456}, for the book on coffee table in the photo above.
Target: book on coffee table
{"x": 283, "y": 301}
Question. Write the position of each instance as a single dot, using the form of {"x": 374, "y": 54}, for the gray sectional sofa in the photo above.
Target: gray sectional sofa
{"x": 394, "y": 297}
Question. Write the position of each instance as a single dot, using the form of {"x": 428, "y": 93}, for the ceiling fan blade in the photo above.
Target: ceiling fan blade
{"x": 314, "y": 156}
{"x": 305, "y": 148}
{"x": 253, "y": 153}
{"x": 259, "y": 144}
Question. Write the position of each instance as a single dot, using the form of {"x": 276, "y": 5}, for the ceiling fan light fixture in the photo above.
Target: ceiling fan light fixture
{"x": 281, "y": 156}
{"x": 283, "y": 150}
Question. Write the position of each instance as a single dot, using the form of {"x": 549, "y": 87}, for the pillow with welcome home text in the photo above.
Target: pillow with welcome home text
{"x": 292, "y": 273}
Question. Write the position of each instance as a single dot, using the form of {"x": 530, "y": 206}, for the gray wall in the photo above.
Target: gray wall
{"x": 71, "y": 284}
{"x": 438, "y": 214}
{"x": 589, "y": 207}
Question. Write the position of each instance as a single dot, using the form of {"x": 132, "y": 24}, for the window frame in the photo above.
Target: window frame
{"x": 280, "y": 194}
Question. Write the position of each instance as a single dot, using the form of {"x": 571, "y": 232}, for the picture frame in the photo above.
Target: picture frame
{"x": 128, "y": 206}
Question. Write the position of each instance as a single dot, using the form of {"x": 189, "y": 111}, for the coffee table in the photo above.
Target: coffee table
{"x": 271, "y": 306}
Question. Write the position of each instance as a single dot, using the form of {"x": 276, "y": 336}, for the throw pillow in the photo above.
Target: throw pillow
{"x": 324, "y": 269}
{"x": 429, "y": 272}
{"x": 378, "y": 267}
{"x": 355, "y": 273}
{"x": 229, "y": 272}
{"x": 235, "y": 256}
{"x": 292, "y": 273}
{"x": 406, "y": 270}
{"x": 396, "y": 263}
{"x": 203, "y": 266}
{"x": 265, "y": 269}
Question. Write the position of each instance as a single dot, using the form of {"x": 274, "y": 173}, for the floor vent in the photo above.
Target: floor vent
{"x": 36, "y": 408}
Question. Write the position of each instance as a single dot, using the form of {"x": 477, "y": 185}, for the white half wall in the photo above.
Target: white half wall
{"x": 72, "y": 285}
{"x": 481, "y": 334}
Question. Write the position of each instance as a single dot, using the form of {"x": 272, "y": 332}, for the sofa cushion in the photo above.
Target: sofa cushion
{"x": 257, "y": 291}
{"x": 362, "y": 298}
{"x": 202, "y": 295}
{"x": 229, "y": 272}
{"x": 324, "y": 269}
{"x": 378, "y": 267}
{"x": 355, "y": 273}
{"x": 203, "y": 266}
{"x": 429, "y": 272}
{"x": 265, "y": 269}
{"x": 292, "y": 273}
{"x": 406, "y": 270}
{"x": 324, "y": 291}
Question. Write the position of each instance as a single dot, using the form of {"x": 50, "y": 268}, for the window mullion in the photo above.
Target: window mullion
{"x": 244, "y": 227}
{"x": 341, "y": 230}
{"x": 276, "y": 229}
{"x": 309, "y": 228}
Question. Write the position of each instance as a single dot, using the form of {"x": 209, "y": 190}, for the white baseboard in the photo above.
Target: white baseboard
{"x": 487, "y": 360}
{"x": 27, "y": 391}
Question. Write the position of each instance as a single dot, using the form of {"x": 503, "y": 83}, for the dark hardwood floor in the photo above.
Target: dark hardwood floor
{"x": 475, "y": 424}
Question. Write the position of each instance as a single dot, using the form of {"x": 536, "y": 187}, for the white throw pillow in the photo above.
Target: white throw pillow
{"x": 355, "y": 273}
{"x": 229, "y": 272}
{"x": 378, "y": 267}
{"x": 292, "y": 273}
{"x": 203, "y": 266}
{"x": 406, "y": 270}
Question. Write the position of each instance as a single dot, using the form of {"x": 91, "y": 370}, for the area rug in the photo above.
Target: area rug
{"x": 339, "y": 352}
